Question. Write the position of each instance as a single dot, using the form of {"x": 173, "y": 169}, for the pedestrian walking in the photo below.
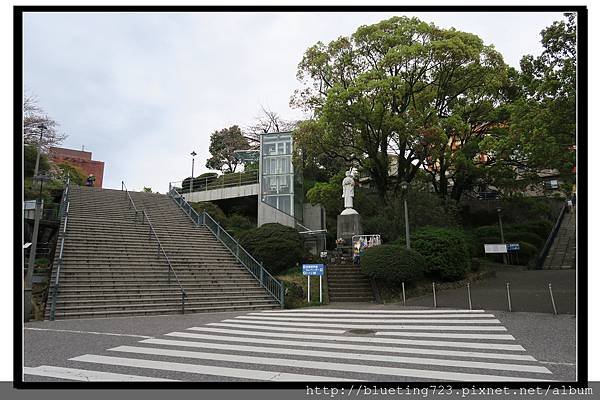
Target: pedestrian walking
{"x": 90, "y": 180}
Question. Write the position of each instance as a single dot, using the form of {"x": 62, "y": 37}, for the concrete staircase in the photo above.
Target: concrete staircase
{"x": 562, "y": 252}
{"x": 347, "y": 284}
{"x": 110, "y": 264}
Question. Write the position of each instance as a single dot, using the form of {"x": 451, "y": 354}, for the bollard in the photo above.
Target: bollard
{"x": 434, "y": 299}
{"x": 469, "y": 295}
{"x": 552, "y": 298}
{"x": 403, "y": 295}
{"x": 508, "y": 296}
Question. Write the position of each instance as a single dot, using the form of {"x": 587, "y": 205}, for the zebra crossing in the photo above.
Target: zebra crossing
{"x": 310, "y": 345}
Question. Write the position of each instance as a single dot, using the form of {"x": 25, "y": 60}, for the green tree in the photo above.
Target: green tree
{"x": 543, "y": 116}
{"x": 29, "y": 157}
{"x": 223, "y": 144}
{"x": 388, "y": 89}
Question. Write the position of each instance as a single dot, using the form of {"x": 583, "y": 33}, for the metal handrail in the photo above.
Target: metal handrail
{"x": 256, "y": 269}
{"x": 64, "y": 211}
{"x": 160, "y": 248}
{"x": 542, "y": 256}
{"x": 206, "y": 184}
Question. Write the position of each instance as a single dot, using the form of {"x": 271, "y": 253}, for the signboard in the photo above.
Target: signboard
{"x": 495, "y": 248}
{"x": 513, "y": 247}
{"x": 313, "y": 269}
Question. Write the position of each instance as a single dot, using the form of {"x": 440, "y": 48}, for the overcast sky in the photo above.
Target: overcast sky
{"x": 142, "y": 90}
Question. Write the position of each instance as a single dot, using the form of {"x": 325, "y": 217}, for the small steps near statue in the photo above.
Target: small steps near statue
{"x": 347, "y": 283}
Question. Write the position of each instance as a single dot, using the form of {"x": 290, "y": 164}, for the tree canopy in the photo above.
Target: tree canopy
{"x": 395, "y": 87}
{"x": 223, "y": 144}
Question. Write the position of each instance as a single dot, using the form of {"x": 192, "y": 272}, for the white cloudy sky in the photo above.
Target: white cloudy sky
{"x": 142, "y": 90}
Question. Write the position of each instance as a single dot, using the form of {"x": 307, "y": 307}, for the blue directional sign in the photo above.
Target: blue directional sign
{"x": 513, "y": 247}
{"x": 313, "y": 269}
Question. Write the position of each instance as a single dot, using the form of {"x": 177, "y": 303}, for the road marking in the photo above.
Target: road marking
{"x": 405, "y": 334}
{"x": 353, "y": 356}
{"x": 330, "y": 366}
{"x": 548, "y": 362}
{"x": 400, "y": 316}
{"x": 90, "y": 332}
{"x": 387, "y": 349}
{"x": 340, "y": 310}
{"x": 365, "y": 320}
{"x": 87, "y": 375}
{"x": 204, "y": 369}
{"x": 275, "y": 328}
{"x": 392, "y": 327}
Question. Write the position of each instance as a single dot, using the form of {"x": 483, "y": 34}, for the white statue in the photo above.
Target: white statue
{"x": 348, "y": 190}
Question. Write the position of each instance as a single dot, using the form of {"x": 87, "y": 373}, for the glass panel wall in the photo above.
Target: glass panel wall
{"x": 277, "y": 175}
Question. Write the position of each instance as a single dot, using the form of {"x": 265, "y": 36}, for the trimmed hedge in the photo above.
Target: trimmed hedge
{"x": 446, "y": 250}
{"x": 392, "y": 264}
{"x": 279, "y": 247}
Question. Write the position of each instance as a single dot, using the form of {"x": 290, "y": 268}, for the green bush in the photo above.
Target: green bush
{"x": 212, "y": 209}
{"x": 236, "y": 224}
{"x": 528, "y": 237}
{"x": 393, "y": 264}
{"x": 527, "y": 253}
{"x": 542, "y": 228}
{"x": 446, "y": 250}
{"x": 279, "y": 247}
{"x": 512, "y": 233}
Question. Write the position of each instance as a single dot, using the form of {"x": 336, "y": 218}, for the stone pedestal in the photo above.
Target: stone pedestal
{"x": 349, "y": 225}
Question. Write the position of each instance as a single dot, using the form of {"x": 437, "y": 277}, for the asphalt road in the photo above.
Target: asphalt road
{"x": 547, "y": 338}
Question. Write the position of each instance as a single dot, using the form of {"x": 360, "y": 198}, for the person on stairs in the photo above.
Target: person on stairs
{"x": 90, "y": 180}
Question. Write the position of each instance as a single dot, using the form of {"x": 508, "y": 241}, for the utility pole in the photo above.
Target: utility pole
{"x": 28, "y": 278}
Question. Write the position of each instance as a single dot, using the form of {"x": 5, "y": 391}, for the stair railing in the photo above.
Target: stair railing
{"x": 539, "y": 262}
{"x": 266, "y": 280}
{"x": 159, "y": 248}
{"x": 64, "y": 211}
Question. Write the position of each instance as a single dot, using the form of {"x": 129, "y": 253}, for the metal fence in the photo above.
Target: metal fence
{"x": 63, "y": 212}
{"x": 216, "y": 182}
{"x": 266, "y": 280}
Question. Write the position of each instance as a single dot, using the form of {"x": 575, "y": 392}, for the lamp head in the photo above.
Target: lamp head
{"x": 404, "y": 185}
{"x": 193, "y": 153}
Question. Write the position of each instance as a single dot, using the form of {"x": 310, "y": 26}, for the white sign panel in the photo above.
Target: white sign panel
{"x": 494, "y": 248}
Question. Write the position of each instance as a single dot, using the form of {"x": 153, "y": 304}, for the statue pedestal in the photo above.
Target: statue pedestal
{"x": 348, "y": 225}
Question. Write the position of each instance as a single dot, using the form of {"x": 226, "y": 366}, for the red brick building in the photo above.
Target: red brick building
{"x": 81, "y": 159}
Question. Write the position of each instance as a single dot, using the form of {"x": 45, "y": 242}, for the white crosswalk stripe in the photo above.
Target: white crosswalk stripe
{"x": 323, "y": 345}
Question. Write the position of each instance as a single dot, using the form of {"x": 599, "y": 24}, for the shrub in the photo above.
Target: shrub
{"x": 512, "y": 233}
{"x": 392, "y": 264}
{"x": 527, "y": 253}
{"x": 446, "y": 250}
{"x": 279, "y": 247}
{"x": 542, "y": 228}
{"x": 212, "y": 209}
{"x": 236, "y": 224}
{"x": 528, "y": 237}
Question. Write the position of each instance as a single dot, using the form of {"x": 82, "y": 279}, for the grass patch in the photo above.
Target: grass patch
{"x": 296, "y": 288}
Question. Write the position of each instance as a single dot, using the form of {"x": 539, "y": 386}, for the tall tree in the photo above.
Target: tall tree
{"x": 389, "y": 89}
{"x": 223, "y": 144}
{"x": 267, "y": 122}
{"x": 543, "y": 120}
{"x": 35, "y": 120}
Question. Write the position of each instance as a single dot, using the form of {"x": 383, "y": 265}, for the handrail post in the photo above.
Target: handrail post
{"x": 262, "y": 277}
{"x": 281, "y": 295}
{"x": 182, "y": 302}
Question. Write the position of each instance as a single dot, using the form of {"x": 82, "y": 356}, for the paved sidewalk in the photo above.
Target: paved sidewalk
{"x": 528, "y": 289}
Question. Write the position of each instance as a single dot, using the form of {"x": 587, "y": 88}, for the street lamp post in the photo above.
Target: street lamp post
{"x": 28, "y": 278}
{"x": 499, "y": 211}
{"x": 193, "y": 154}
{"x": 404, "y": 186}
